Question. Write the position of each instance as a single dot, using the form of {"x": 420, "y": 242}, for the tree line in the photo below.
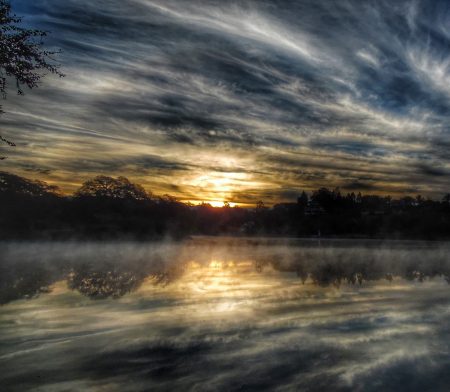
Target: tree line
{"x": 106, "y": 207}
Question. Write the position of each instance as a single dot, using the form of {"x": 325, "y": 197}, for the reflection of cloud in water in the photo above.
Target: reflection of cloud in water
{"x": 214, "y": 317}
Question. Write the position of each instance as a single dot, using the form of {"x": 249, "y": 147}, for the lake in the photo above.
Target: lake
{"x": 225, "y": 314}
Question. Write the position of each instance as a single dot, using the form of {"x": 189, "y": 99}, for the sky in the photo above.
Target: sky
{"x": 239, "y": 101}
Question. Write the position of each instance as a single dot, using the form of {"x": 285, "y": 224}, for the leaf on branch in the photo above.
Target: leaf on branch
{"x": 21, "y": 54}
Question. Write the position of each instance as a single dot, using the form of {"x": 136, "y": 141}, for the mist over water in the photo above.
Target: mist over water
{"x": 221, "y": 314}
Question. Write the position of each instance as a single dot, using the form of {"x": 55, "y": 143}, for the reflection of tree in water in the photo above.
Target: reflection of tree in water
{"x": 116, "y": 274}
{"x": 163, "y": 277}
{"x": 336, "y": 271}
{"x": 24, "y": 280}
{"x": 113, "y": 278}
{"x": 107, "y": 281}
{"x": 117, "y": 279}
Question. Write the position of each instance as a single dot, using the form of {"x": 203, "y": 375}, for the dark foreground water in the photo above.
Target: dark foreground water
{"x": 225, "y": 315}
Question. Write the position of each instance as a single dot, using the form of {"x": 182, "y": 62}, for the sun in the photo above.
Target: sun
{"x": 217, "y": 188}
{"x": 216, "y": 203}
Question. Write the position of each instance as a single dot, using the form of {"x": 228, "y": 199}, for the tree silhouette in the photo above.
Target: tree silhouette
{"x": 303, "y": 200}
{"x": 22, "y": 56}
{"x": 112, "y": 188}
{"x": 13, "y": 185}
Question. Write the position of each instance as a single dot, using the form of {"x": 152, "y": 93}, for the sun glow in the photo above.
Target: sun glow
{"x": 215, "y": 264}
{"x": 215, "y": 203}
{"x": 219, "y": 187}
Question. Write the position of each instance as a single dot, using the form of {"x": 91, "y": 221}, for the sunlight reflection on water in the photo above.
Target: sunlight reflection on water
{"x": 225, "y": 317}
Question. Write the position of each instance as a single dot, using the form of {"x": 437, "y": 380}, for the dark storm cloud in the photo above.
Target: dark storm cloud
{"x": 36, "y": 169}
{"x": 358, "y": 148}
{"x": 434, "y": 171}
{"x": 365, "y": 81}
{"x": 357, "y": 185}
{"x": 145, "y": 162}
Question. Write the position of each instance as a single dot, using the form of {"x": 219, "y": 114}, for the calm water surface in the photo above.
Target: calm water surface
{"x": 225, "y": 315}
